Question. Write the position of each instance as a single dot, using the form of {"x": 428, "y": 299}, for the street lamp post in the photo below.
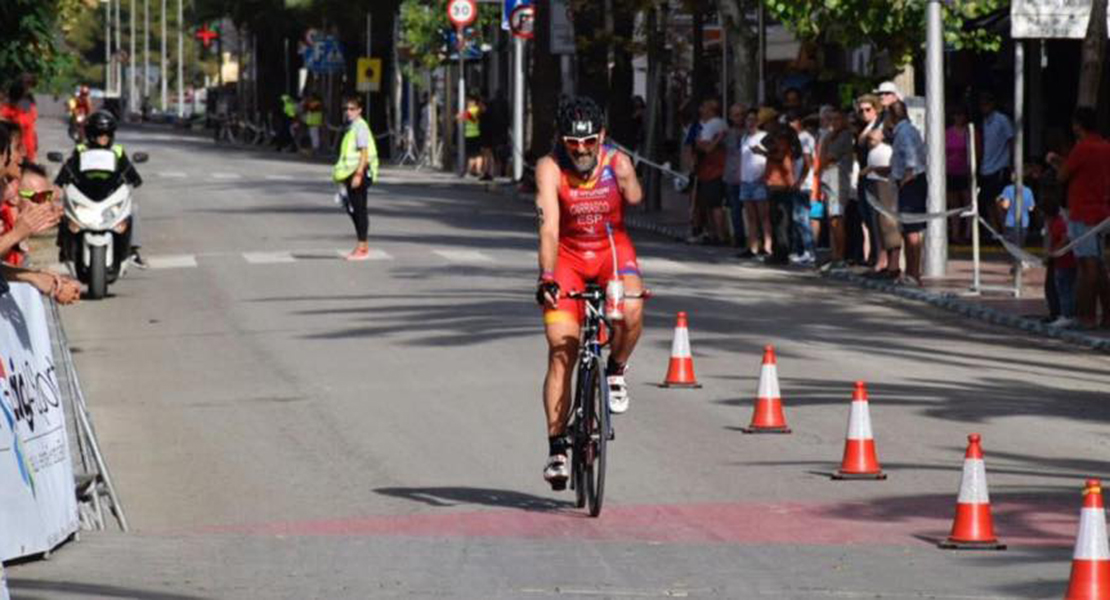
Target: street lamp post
{"x": 162, "y": 72}
{"x": 936, "y": 242}
{"x": 132, "y": 89}
{"x": 180, "y": 58}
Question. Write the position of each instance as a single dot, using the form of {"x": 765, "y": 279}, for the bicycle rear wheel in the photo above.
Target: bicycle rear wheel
{"x": 595, "y": 424}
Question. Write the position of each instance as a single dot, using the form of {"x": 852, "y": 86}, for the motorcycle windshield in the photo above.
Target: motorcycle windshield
{"x": 98, "y": 176}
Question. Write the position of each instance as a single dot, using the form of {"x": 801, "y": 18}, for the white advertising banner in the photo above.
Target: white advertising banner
{"x": 1048, "y": 19}
{"x": 38, "y": 506}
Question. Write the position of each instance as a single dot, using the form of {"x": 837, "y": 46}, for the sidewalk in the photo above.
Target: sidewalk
{"x": 952, "y": 292}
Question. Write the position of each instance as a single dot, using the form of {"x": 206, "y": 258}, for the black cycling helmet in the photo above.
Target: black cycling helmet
{"x": 579, "y": 116}
{"x": 100, "y": 123}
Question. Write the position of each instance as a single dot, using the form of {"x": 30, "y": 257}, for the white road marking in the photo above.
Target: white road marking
{"x": 172, "y": 174}
{"x": 268, "y": 258}
{"x": 375, "y": 254}
{"x": 172, "y": 261}
{"x": 226, "y": 176}
{"x": 463, "y": 256}
{"x": 279, "y": 177}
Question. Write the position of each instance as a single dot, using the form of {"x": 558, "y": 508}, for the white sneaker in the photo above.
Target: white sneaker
{"x": 556, "y": 472}
{"x": 618, "y": 394}
{"x": 1063, "y": 322}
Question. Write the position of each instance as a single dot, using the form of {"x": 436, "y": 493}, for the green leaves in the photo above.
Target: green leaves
{"x": 29, "y": 39}
{"x": 424, "y": 23}
{"x": 896, "y": 26}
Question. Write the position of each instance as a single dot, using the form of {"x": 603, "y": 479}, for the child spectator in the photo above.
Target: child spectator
{"x": 1064, "y": 267}
{"x": 1006, "y": 203}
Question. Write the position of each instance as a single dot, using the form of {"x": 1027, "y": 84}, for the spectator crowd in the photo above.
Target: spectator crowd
{"x": 838, "y": 187}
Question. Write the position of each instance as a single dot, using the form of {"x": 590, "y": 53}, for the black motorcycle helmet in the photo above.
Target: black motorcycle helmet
{"x": 100, "y": 123}
{"x": 579, "y": 116}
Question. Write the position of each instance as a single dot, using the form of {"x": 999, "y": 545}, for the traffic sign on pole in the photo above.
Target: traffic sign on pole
{"x": 522, "y": 21}
{"x": 462, "y": 13}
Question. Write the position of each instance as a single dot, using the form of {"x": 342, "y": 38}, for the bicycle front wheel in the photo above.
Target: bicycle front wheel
{"x": 595, "y": 410}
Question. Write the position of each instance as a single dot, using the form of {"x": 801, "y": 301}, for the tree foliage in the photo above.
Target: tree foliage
{"x": 30, "y": 42}
{"x": 424, "y": 28}
{"x": 896, "y": 26}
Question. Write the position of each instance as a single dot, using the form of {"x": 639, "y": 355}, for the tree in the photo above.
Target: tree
{"x": 894, "y": 26}
{"x": 1094, "y": 52}
{"x": 29, "y": 40}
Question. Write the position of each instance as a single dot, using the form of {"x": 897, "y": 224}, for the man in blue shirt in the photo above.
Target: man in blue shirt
{"x": 997, "y": 145}
{"x": 907, "y": 169}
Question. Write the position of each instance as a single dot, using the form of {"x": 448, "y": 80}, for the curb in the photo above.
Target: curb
{"x": 953, "y": 303}
{"x": 946, "y": 301}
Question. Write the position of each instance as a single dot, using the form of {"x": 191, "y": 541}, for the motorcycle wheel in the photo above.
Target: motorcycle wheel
{"x": 98, "y": 272}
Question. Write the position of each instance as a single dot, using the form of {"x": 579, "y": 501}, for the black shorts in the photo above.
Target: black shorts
{"x": 958, "y": 183}
{"x": 913, "y": 198}
{"x": 473, "y": 147}
{"x": 710, "y": 194}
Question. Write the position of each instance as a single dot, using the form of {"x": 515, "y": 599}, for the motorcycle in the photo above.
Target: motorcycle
{"x": 76, "y": 129}
{"x": 95, "y": 235}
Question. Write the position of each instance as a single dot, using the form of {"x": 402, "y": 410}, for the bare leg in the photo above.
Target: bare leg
{"x": 627, "y": 332}
{"x": 764, "y": 208}
{"x": 562, "y": 342}
{"x": 836, "y": 237}
{"x": 913, "y": 254}
{"x": 752, "y": 211}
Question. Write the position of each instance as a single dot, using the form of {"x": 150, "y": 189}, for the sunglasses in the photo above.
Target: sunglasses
{"x": 37, "y": 197}
{"x": 589, "y": 142}
{"x": 353, "y": 108}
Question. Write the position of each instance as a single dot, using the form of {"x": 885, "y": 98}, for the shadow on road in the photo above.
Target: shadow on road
{"x": 27, "y": 589}
{"x": 462, "y": 496}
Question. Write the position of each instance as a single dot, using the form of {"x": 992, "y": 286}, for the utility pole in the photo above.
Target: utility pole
{"x": 146, "y": 49}
{"x": 518, "y": 108}
{"x": 118, "y": 78}
{"x": 936, "y": 236}
{"x": 162, "y": 72}
{"x": 107, "y": 45}
{"x": 132, "y": 89}
{"x": 181, "y": 58}
{"x": 461, "y": 154}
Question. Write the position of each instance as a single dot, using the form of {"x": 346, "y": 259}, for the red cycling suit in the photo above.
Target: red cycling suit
{"x": 585, "y": 254}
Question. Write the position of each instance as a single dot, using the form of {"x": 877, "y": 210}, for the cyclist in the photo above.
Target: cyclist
{"x": 80, "y": 106}
{"x": 100, "y": 129}
{"x": 581, "y": 190}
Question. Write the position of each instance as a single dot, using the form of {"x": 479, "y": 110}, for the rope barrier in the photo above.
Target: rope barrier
{"x": 901, "y": 217}
{"x": 666, "y": 169}
{"x": 1026, "y": 257}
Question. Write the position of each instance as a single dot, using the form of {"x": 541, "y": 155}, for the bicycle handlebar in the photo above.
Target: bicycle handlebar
{"x": 599, "y": 294}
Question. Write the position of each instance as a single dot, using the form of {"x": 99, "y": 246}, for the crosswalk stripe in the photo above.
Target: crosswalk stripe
{"x": 226, "y": 176}
{"x": 463, "y": 256}
{"x": 268, "y": 258}
{"x": 172, "y": 261}
{"x": 172, "y": 174}
{"x": 375, "y": 254}
{"x": 279, "y": 177}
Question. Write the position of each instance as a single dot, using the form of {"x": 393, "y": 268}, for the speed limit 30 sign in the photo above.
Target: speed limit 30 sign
{"x": 462, "y": 13}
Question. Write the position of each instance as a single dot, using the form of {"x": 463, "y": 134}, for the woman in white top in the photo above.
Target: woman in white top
{"x": 881, "y": 191}
{"x": 753, "y": 191}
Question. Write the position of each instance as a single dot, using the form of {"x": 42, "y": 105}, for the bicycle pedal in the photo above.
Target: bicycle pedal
{"x": 612, "y": 434}
{"x": 558, "y": 485}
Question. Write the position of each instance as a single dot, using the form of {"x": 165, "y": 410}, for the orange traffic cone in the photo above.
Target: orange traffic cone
{"x": 973, "y": 528}
{"x": 1090, "y": 564}
{"x": 768, "y": 416}
{"x": 680, "y": 373}
{"x": 860, "y": 459}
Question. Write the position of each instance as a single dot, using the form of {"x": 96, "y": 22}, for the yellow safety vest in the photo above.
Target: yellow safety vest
{"x": 289, "y": 106}
{"x": 472, "y": 128}
{"x": 116, "y": 148}
{"x": 314, "y": 118}
{"x": 349, "y": 154}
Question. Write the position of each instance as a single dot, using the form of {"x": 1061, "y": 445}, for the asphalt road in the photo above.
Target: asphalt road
{"x": 285, "y": 424}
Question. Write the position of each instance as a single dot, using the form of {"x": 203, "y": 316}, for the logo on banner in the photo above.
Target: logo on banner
{"x": 9, "y": 417}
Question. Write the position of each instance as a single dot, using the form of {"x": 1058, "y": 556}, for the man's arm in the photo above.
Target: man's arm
{"x": 63, "y": 289}
{"x": 130, "y": 173}
{"x": 547, "y": 214}
{"x": 627, "y": 181}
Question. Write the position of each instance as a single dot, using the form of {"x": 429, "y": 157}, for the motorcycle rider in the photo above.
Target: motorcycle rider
{"x": 100, "y": 129}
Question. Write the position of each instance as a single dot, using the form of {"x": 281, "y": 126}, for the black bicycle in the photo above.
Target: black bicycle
{"x": 589, "y": 427}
